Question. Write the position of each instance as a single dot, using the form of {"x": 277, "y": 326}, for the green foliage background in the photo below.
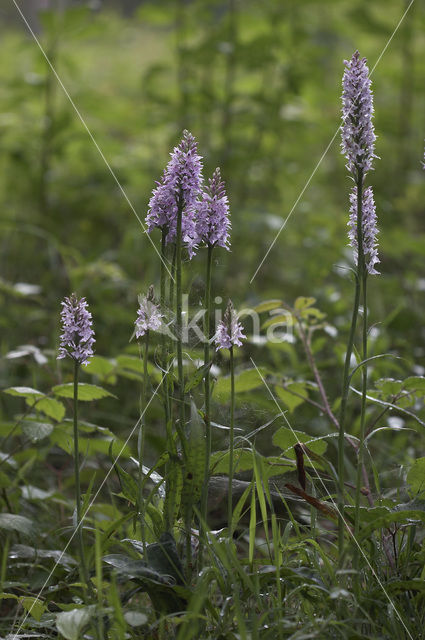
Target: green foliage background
{"x": 258, "y": 84}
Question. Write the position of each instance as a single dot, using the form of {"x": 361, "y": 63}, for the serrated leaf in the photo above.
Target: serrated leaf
{"x": 49, "y": 406}
{"x": 33, "y": 606}
{"x": 36, "y": 431}
{"x": 415, "y": 383}
{"x": 302, "y": 303}
{"x": 389, "y": 386}
{"x": 286, "y": 439}
{"x": 242, "y": 461}
{"x": 416, "y": 478}
{"x": 100, "y": 366}
{"x": 23, "y": 392}
{"x": 292, "y": 401}
{"x": 130, "y": 362}
{"x": 268, "y": 305}
{"x": 86, "y": 392}
{"x": 244, "y": 381}
{"x": 71, "y": 623}
{"x": 285, "y": 319}
{"x": 20, "y": 524}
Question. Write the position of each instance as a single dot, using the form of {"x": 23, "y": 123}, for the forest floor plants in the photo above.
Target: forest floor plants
{"x": 300, "y": 555}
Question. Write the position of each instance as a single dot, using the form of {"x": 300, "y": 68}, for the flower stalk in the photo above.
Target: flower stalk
{"x": 78, "y": 521}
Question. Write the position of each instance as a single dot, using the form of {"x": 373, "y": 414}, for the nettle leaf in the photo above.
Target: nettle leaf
{"x": 130, "y": 362}
{"x": 36, "y": 431}
{"x": 20, "y": 524}
{"x": 284, "y": 319}
{"x": 101, "y": 367}
{"x": 71, "y": 623}
{"x": 302, "y": 303}
{"x": 246, "y": 380}
{"x": 268, "y": 305}
{"x": 242, "y": 461}
{"x": 292, "y": 401}
{"x": 33, "y": 606}
{"x": 389, "y": 386}
{"x": 416, "y": 478}
{"x": 49, "y": 406}
{"x": 286, "y": 439}
{"x": 86, "y": 392}
{"x": 416, "y": 384}
{"x": 23, "y": 392}
{"x": 403, "y": 514}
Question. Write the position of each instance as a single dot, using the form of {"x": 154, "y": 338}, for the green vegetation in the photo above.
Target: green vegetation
{"x": 83, "y": 141}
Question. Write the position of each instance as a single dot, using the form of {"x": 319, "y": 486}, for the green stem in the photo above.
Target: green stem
{"x": 207, "y": 331}
{"x": 172, "y": 279}
{"x": 360, "y": 460}
{"x": 141, "y": 440}
{"x": 165, "y": 388}
{"x": 231, "y": 443}
{"x": 4, "y": 559}
{"x": 79, "y": 528}
{"x": 179, "y": 323}
{"x": 345, "y": 383}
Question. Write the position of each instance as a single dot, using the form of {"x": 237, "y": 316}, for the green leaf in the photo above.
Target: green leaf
{"x": 30, "y": 553}
{"x": 302, "y": 303}
{"x": 71, "y": 623}
{"x": 130, "y": 362}
{"x": 389, "y": 386}
{"x": 242, "y": 461}
{"x": 101, "y": 367}
{"x": 286, "y": 319}
{"x": 23, "y": 392}
{"x": 20, "y": 524}
{"x": 36, "y": 431}
{"x": 128, "y": 484}
{"x": 49, "y": 406}
{"x": 197, "y": 377}
{"x": 86, "y": 392}
{"x": 292, "y": 401}
{"x": 33, "y": 606}
{"x": 245, "y": 381}
{"x": 415, "y": 383}
{"x": 402, "y": 515}
{"x": 194, "y": 469}
{"x": 268, "y": 305}
{"x": 416, "y": 478}
{"x": 286, "y": 439}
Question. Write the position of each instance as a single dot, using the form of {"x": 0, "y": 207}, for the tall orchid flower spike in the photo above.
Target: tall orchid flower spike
{"x": 369, "y": 229}
{"x": 77, "y": 336}
{"x": 229, "y": 331}
{"x": 212, "y": 220}
{"x": 179, "y": 186}
{"x": 358, "y": 134}
{"x": 149, "y": 316}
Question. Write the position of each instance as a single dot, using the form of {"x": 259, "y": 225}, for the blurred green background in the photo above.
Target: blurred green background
{"x": 258, "y": 84}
